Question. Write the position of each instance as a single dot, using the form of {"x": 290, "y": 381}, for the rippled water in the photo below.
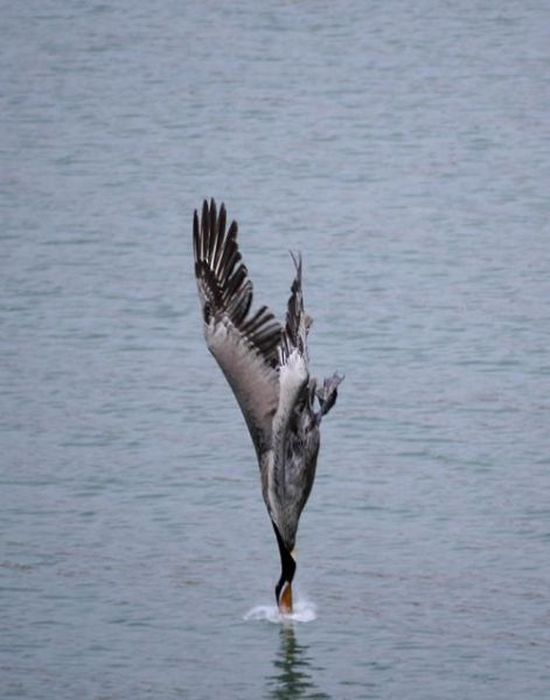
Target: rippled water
{"x": 404, "y": 148}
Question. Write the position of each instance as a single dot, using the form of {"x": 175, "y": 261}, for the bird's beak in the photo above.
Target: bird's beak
{"x": 285, "y": 600}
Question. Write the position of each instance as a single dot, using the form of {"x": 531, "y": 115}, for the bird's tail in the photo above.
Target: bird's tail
{"x": 328, "y": 393}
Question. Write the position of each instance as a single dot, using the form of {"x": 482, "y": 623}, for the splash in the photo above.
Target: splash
{"x": 304, "y": 611}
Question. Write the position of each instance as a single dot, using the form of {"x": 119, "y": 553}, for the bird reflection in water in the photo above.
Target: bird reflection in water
{"x": 293, "y": 671}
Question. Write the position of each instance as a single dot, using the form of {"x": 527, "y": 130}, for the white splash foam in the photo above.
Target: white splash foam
{"x": 304, "y": 611}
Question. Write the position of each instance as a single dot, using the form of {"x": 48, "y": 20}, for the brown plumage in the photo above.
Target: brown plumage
{"x": 266, "y": 365}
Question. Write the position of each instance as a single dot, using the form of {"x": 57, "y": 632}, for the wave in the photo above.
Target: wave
{"x": 304, "y": 611}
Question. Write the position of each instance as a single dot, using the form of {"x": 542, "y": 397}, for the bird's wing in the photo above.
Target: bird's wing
{"x": 293, "y": 355}
{"x": 293, "y": 383}
{"x": 245, "y": 345}
{"x": 298, "y": 323}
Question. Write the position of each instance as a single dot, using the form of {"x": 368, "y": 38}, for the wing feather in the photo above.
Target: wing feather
{"x": 245, "y": 346}
{"x": 297, "y": 321}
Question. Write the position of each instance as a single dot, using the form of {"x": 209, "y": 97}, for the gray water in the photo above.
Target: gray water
{"x": 404, "y": 148}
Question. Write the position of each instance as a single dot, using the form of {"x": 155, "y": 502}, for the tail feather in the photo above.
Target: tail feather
{"x": 328, "y": 393}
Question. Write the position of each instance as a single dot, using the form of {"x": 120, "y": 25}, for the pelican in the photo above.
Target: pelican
{"x": 266, "y": 365}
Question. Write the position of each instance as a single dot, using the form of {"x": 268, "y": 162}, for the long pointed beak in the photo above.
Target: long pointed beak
{"x": 285, "y": 601}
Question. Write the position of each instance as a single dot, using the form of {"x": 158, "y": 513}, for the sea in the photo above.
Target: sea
{"x": 404, "y": 149}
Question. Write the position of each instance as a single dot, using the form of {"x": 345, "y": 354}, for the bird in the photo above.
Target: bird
{"x": 266, "y": 364}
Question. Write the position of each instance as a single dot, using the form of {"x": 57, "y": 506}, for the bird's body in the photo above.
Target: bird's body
{"x": 266, "y": 365}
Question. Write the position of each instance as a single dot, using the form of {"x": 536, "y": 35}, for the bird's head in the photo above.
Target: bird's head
{"x": 283, "y": 589}
{"x": 283, "y": 593}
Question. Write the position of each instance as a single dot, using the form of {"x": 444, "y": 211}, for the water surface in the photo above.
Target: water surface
{"x": 406, "y": 152}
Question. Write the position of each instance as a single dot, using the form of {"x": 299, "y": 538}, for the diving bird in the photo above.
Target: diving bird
{"x": 266, "y": 365}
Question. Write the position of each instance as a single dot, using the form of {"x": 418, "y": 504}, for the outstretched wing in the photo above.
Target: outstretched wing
{"x": 293, "y": 354}
{"x": 245, "y": 345}
{"x": 289, "y": 471}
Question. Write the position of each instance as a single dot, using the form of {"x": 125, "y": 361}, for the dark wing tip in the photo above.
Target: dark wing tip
{"x": 296, "y": 327}
{"x": 223, "y": 279}
{"x": 196, "y": 236}
{"x": 297, "y": 260}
